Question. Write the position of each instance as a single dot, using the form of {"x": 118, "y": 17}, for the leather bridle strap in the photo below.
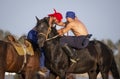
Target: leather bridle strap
{"x": 47, "y": 39}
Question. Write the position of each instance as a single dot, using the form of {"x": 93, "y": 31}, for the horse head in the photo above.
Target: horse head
{"x": 45, "y": 32}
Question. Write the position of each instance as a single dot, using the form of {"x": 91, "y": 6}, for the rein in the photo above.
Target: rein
{"x": 46, "y": 35}
{"x": 47, "y": 39}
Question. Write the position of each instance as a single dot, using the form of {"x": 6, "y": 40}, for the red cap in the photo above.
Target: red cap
{"x": 57, "y": 15}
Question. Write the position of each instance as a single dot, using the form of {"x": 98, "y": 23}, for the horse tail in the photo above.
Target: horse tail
{"x": 114, "y": 70}
{"x": 113, "y": 66}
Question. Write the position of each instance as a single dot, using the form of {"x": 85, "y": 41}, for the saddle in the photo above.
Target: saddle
{"x": 21, "y": 48}
{"x": 86, "y": 41}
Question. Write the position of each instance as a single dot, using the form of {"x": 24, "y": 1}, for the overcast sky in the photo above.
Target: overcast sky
{"x": 101, "y": 17}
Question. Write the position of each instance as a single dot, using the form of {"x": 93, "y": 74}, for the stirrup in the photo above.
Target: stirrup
{"x": 73, "y": 60}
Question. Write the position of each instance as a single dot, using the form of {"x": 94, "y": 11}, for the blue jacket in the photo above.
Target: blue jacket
{"x": 32, "y": 36}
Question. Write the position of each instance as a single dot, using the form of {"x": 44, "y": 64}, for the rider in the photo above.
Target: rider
{"x": 54, "y": 18}
{"x": 80, "y": 32}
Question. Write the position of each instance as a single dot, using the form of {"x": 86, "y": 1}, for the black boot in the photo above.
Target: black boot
{"x": 69, "y": 52}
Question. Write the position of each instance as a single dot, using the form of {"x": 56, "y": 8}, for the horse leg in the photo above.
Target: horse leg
{"x": 2, "y": 74}
{"x": 93, "y": 74}
{"x": 52, "y": 76}
{"x": 22, "y": 76}
{"x": 29, "y": 74}
{"x": 2, "y": 68}
{"x": 104, "y": 74}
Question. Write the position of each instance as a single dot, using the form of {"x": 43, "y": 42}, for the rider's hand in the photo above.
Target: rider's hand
{"x": 60, "y": 32}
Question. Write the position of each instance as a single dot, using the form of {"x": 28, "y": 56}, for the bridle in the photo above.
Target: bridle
{"x": 46, "y": 35}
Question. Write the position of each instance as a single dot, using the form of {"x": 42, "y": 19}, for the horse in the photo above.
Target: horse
{"x": 10, "y": 61}
{"x": 95, "y": 58}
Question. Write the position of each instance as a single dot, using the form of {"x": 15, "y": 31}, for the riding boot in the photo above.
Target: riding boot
{"x": 69, "y": 52}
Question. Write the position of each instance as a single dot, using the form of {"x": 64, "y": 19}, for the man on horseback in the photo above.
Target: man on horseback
{"x": 80, "y": 40}
{"x": 54, "y": 18}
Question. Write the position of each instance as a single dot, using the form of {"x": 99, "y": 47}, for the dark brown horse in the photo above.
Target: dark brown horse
{"x": 10, "y": 61}
{"x": 95, "y": 58}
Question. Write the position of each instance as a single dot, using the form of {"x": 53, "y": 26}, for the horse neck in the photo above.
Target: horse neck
{"x": 53, "y": 53}
{"x": 51, "y": 44}
{"x": 53, "y": 48}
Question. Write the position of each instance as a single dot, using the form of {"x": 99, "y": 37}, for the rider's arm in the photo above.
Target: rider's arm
{"x": 65, "y": 29}
{"x": 61, "y": 24}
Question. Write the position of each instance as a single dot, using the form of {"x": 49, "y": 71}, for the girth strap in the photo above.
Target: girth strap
{"x": 25, "y": 58}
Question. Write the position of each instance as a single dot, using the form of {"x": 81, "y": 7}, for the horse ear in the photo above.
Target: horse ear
{"x": 37, "y": 19}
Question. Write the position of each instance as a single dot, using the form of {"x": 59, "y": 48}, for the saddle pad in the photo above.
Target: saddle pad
{"x": 22, "y": 49}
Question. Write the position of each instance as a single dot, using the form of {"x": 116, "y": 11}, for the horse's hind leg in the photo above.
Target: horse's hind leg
{"x": 104, "y": 74}
{"x": 93, "y": 74}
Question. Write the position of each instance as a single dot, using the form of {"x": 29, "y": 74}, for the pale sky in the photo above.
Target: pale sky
{"x": 101, "y": 17}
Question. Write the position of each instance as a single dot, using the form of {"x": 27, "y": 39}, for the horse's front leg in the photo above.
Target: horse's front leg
{"x": 2, "y": 73}
{"x": 52, "y": 76}
{"x": 2, "y": 69}
{"x": 29, "y": 74}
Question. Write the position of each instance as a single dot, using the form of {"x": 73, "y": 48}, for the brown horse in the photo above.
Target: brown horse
{"x": 10, "y": 61}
